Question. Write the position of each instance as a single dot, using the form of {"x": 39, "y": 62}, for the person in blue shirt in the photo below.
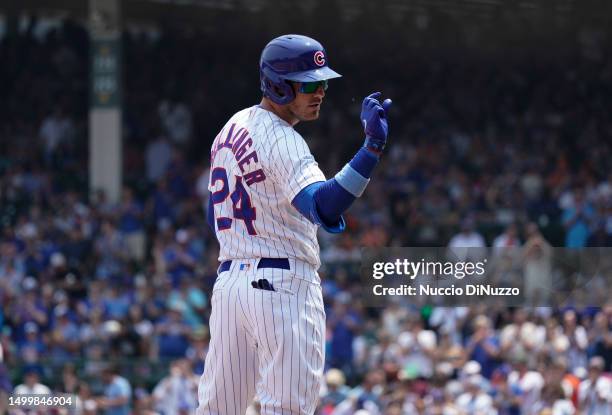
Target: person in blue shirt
{"x": 483, "y": 346}
{"x": 343, "y": 324}
{"x": 131, "y": 225}
{"x": 173, "y": 332}
{"x": 577, "y": 221}
{"x": 117, "y": 393}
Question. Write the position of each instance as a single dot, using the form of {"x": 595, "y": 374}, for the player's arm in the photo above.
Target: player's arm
{"x": 323, "y": 203}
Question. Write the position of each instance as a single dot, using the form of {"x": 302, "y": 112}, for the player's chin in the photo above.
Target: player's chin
{"x": 313, "y": 113}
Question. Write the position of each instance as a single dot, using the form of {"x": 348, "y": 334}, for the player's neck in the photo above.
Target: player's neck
{"x": 281, "y": 111}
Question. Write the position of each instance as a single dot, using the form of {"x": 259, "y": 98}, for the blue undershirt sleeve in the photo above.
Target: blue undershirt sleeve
{"x": 309, "y": 203}
{"x": 323, "y": 203}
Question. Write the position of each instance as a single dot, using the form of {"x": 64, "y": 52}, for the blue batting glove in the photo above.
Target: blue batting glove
{"x": 374, "y": 120}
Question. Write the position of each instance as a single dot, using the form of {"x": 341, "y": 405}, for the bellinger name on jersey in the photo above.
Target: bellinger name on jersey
{"x": 239, "y": 143}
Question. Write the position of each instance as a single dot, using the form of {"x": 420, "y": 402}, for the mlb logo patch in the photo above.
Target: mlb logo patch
{"x": 245, "y": 267}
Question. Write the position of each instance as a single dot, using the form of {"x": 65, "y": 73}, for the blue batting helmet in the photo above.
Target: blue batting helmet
{"x": 292, "y": 58}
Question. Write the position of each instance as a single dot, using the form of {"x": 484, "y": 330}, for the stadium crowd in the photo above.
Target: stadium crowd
{"x": 110, "y": 301}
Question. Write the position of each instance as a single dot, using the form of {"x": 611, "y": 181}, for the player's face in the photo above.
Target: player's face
{"x": 306, "y": 106}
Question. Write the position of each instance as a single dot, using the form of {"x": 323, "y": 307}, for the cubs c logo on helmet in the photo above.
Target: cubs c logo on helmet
{"x": 319, "y": 58}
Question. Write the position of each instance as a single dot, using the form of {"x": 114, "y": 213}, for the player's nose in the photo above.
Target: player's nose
{"x": 320, "y": 92}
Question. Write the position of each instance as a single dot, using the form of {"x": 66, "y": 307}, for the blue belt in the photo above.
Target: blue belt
{"x": 282, "y": 263}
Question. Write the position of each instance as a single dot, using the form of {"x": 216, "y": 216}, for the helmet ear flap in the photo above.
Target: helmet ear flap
{"x": 284, "y": 91}
{"x": 277, "y": 89}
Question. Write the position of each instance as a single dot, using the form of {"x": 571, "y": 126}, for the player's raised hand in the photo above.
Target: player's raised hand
{"x": 374, "y": 120}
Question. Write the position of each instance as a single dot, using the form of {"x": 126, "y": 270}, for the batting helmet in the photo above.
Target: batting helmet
{"x": 292, "y": 58}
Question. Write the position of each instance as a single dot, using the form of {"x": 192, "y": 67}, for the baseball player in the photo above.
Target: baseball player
{"x": 268, "y": 197}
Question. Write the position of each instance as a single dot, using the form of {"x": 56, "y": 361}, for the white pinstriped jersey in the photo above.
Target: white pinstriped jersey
{"x": 259, "y": 163}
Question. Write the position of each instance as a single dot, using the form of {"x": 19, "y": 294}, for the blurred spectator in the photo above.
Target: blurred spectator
{"x": 85, "y": 401}
{"x": 70, "y": 380}
{"x": 180, "y": 183}
{"x": 474, "y": 400}
{"x": 448, "y": 320}
{"x": 595, "y": 393}
{"x": 64, "y": 341}
{"x": 162, "y": 206}
{"x": 603, "y": 348}
{"x": 578, "y": 340}
{"x": 172, "y": 333}
{"x": 178, "y": 260}
{"x": 553, "y": 398}
{"x": 190, "y": 299}
{"x": 143, "y": 402}
{"x": 117, "y": 393}
{"x": 29, "y": 309}
{"x": 116, "y": 302}
{"x": 537, "y": 255}
{"x": 467, "y": 244}
{"x": 111, "y": 250}
{"x": 483, "y": 346}
{"x": 600, "y": 237}
{"x": 56, "y": 129}
{"x": 158, "y": 154}
{"x": 10, "y": 277}
{"x": 522, "y": 336}
{"x": 198, "y": 348}
{"x": 71, "y": 280}
{"x": 138, "y": 332}
{"x": 31, "y": 384}
{"x": 334, "y": 390}
{"x": 176, "y": 119}
{"x": 527, "y": 383}
{"x": 343, "y": 323}
{"x": 32, "y": 348}
{"x": 131, "y": 227}
{"x": 177, "y": 393}
{"x": 577, "y": 219}
{"x": 468, "y": 237}
{"x": 508, "y": 239}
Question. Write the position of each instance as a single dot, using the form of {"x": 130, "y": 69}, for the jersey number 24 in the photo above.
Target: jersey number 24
{"x": 241, "y": 202}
